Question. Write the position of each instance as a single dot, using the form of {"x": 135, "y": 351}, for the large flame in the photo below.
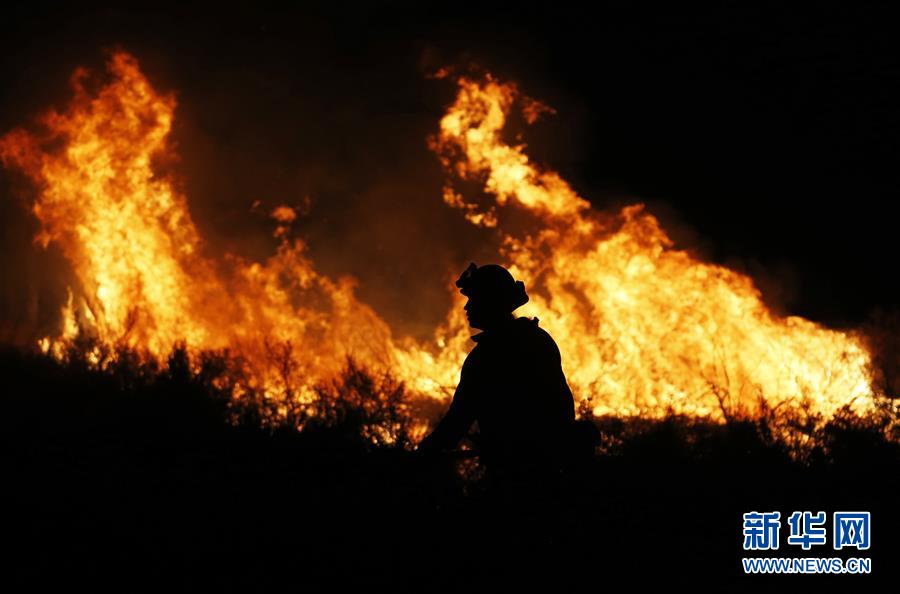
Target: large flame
{"x": 643, "y": 328}
{"x": 144, "y": 281}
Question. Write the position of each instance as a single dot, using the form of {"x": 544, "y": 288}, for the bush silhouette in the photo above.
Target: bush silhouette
{"x": 139, "y": 476}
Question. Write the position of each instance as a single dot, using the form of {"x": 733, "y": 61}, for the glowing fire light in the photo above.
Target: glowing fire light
{"x": 643, "y": 328}
{"x": 144, "y": 282}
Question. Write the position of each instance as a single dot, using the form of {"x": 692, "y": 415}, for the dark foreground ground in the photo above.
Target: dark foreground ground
{"x": 131, "y": 484}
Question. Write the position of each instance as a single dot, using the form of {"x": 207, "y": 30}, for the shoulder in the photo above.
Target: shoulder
{"x": 531, "y": 327}
{"x": 536, "y": 337}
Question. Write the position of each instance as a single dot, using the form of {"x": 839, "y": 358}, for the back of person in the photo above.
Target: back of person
{"x": 511, "y": 385}
{"x": 521, "y": 400}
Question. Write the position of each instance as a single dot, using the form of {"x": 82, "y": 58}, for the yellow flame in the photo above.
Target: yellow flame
{"x": 136, "y": 252}
{"x": 643, "y": 328}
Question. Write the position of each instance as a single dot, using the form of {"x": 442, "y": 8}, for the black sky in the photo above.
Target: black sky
{"x": 764, "y": 135}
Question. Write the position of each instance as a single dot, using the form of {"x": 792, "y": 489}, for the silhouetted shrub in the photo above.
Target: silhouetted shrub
{"x": 117, "y": 467}
{"x": 361, "y": 403}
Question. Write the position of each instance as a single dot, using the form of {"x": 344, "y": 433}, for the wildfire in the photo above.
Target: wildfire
{"x": 643, "y": 328}
{"x": 144, "y": 281}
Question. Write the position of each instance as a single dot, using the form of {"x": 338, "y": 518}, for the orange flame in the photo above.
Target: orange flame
{"x": 643, "y": 328}
{"x": 138, "y": 256}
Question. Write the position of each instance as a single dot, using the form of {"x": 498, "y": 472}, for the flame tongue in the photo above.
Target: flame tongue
{"x": 642, "y": 327}
{"x": 137, "y": 253}
{"x": 128, "y": 235}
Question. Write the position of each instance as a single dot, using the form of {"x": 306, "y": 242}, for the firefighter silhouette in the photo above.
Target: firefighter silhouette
{"x": 511, "y": 384}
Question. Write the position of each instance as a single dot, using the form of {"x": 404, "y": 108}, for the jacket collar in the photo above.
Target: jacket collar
{"x": 503, "y": 328}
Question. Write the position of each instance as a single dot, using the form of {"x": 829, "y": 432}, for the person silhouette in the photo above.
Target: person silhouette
{"x": 511, "y": 384}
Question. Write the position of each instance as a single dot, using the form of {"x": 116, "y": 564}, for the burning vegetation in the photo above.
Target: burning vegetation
{"x": 645, "y": 329}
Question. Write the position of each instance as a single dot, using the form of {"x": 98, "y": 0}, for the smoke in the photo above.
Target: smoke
{"x": 645, "y": 324}
{"x": 32, "y": 281}
{"x": 355, "y": 161}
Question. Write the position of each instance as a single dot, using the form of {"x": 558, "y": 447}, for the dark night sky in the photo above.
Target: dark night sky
{"x": 764, "y": 136}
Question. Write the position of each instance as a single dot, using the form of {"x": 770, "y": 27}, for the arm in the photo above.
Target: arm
{"x": 565, "y": 400}
{"x": 460, "y": 416}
